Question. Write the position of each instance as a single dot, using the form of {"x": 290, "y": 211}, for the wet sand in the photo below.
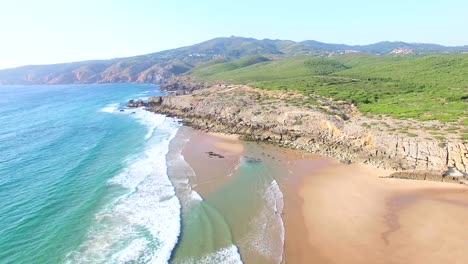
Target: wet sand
{"x": 298, "y": 248}
{"x": 212, "y": 156}
{"x": 352, "y": 216}
{"x": 336, "y": 213}
{"x": 237, "y": 195}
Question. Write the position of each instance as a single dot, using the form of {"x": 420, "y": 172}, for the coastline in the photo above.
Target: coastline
{"x": 329, "y": 205}
{"x": 332, "y": 207}
{"x": 213, "y": 157}
{"x": 268, "y": 116}
{"x": 233, "y": 188}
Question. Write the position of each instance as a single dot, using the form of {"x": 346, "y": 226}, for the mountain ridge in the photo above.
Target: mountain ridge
{"x": 161, "y": 67}
{"x": 387, "y": 46}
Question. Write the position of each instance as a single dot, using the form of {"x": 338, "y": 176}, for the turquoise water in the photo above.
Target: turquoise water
{"x": 83, "y": 182}
{"x": 59, "y": 147}
{"x": 238, "y": 222}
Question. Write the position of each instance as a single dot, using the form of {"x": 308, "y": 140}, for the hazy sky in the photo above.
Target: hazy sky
{"x": 52, "y": 31}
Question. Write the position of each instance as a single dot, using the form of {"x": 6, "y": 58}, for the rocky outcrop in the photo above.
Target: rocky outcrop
{"x": 137, "y": 103}
{"x": 267, "y": 116}
{"x": 440, "y": 176}
{"x": 155, "y": 101}
{"x": 183, "y": 83}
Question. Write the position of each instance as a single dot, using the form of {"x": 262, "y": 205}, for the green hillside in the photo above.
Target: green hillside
{"x": 219, "y": 66}
{"x": 421, "y": 87}
{"x": 271, "y": 70}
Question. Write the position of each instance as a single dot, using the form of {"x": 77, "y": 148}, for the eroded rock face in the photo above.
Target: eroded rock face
{"x": 267, "y": 116}
{"x": 155, "y": 101}
{"x": 182, "y": 83}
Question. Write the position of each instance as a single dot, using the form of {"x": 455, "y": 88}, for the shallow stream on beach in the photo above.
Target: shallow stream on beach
{"x": 237, "y": 221}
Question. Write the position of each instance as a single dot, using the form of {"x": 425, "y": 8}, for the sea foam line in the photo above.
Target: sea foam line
{"x": 262, "y": 239}
{"x": 228, "y": 255}
{"x": 183, "y": 181}
{"x": 144, "y": 224}
{"x": 110, "y": 108}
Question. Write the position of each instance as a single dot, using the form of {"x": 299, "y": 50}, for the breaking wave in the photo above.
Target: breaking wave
{"x": 143, "y": 224}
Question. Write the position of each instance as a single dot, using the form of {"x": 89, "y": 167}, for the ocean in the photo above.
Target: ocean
{"x": 84, "y": 180}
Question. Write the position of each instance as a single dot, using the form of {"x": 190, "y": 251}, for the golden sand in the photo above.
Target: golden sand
{"x": 353, "y": 216}
{"x": 336, "y": 213}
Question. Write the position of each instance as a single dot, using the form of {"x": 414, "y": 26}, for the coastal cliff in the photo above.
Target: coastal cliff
{"x": 332, "y": 128}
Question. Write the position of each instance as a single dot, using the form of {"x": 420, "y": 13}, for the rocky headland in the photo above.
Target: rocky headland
{"x": 328, "y": 127}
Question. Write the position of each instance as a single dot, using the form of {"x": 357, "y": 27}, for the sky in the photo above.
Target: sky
{"x": 55, "y": 31}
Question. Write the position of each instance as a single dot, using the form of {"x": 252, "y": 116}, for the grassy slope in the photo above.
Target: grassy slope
{"x": 218, "y": 66}
{"x": 427, "y": 87}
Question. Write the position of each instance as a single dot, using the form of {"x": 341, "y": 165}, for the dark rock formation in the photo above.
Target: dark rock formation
{"x": 138, "y": 103}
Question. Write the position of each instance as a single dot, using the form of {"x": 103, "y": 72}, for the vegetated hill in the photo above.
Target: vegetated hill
{"x": 218, "y": 66}
{"x": 294, "y": 67}
{"x": 386, "y": 47}
{"x": 161, "y": 67}
{"x": 422, "y": 87}
{"x": 153, "y": 68}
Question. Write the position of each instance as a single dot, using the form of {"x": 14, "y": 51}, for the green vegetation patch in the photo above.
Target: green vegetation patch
{"x": 430, "y": 87}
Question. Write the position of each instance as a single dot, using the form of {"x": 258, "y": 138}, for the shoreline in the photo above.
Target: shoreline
{"x": 331, "y": 207}
{"x": 224, "y": 181}
{"x": 248, "y": 112}
{"x": 212, "y": 156}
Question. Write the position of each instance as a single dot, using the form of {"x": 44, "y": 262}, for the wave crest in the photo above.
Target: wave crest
{"x": 143, "y": 225}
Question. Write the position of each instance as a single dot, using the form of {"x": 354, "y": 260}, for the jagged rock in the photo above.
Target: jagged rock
{"x": 183, "y": 84}
{"x": 240, "y": 110}
{"x": 211, "y": 154}
{"x": 138, "y": 103}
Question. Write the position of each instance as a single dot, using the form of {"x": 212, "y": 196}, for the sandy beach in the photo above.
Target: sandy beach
{"x": 212, "y": 156}
{"x": 353, "y": 216}
{"x": 336, "y": 213}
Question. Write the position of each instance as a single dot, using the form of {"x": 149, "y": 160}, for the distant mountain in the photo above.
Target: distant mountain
{"x": 161, "y": 67}
{"x": 153, "y": 68}
{"x": 385, "y": 47}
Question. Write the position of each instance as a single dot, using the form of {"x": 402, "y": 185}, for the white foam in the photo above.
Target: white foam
{"x": 144, "y": 224}
{"x": 228, "y": 255}
{"x": 131, "y": 252}
{"x": 184, "y": 181}
{"x": 110, "y": 108}
{"x": 261, "y": 238}
{"x": 151, "y": 120}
